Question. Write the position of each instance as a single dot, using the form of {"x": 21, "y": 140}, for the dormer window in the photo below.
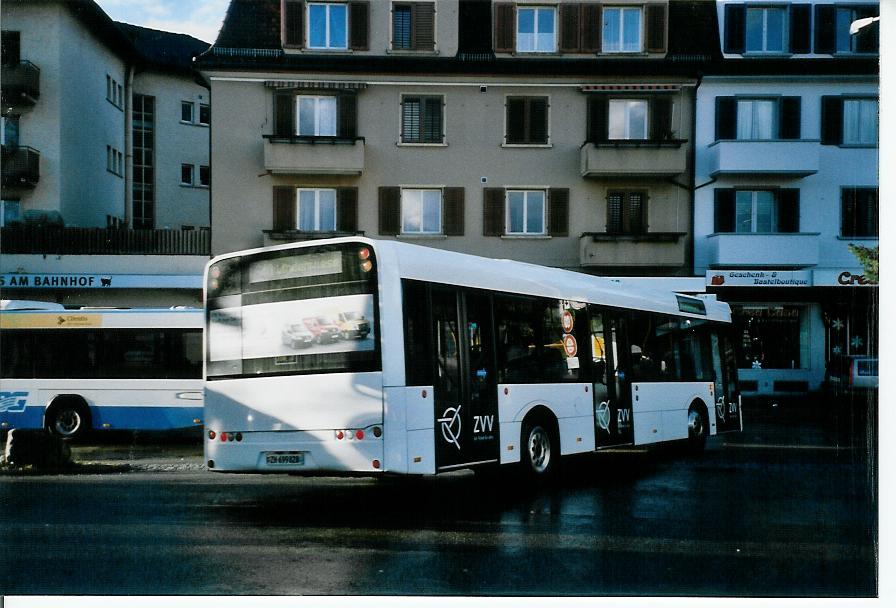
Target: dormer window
{"x": 536, "y": 30}
{"x": 327, "y": 26}
{"x": 766, "y": 30}
{"x": 622, "y": 30}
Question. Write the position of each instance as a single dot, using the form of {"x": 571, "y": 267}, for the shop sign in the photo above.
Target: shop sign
{"x": 100, "y": 281}
{"x": 841, "y": 278}
{"x": 758, "y": 278}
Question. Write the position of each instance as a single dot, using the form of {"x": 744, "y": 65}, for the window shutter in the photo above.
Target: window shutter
{"x": 598, "y": 106}
{"x": 453, "y": 211}
{"x": 831, "y": 120}
{"x": 724, "y": 210}
{"x": 636, "y": 210}
{"x": 726, "y": 118}
{"x": 284, "y": 208}
{"x": 493, "y": 212}
{"x": 591, "y": 28}
{"x": 790, "y": 118}
{"x": 538, "y": 120}
{"x": 558, "y": 211}
{"x": 661, "y": 118}
{"x": 789, "y": 210}
{"x": 656, "y": 28}
{"x": 735, "y": 28}
{"x": 848, "y": 212}
{"x": 614, "y": 212}
{"x": 358, "y": 23}
{"x": 432, "y": 120}
{"x": 825, "y": 29}
{"x": 293, "y": 23}
{"x": 347, "y": 209}
{"x": 505, "y": 28}
{"x": 347, "y": 119}
{"x": 423, "y": 26}
{"x": 516, "y": 120}
{"x": 570, "y": 30}
{"x": 800, "y": 28}
{"x": 410, "y": 119}
{"x": 284, "y": 111}
{"x": 390, "y": 210}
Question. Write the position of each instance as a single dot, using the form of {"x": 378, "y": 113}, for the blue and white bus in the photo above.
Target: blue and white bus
{"x": 71, "y": 371}
{"x": 464, "y": 362}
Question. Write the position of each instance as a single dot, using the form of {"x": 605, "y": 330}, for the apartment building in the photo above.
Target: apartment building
{"x": 554, "y": 133}
{"x": 96, "y": 205}
{"x": 786, "y": 179}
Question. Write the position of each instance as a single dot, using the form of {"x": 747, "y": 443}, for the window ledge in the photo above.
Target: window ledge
{"x": 763, "y": 234}
{"x": 408, "y": 144}
{"x": 638, "y": 143}
{"x": 655, "y": 237}
{"x": 858, "y": 238}
{"x": 308, "y": 235}
{"x": 768, "y": 141}
{"x": 607, "y": 54}
{"x": 859, "y": 146}
{"x": 413, "y": 237}
{"x": 506, "y": 145}
{"x": 767, "y": 54}
{"x": 527, "y": 237}
{"x": 312, "y": 139}
{"x": 413, "y": 52}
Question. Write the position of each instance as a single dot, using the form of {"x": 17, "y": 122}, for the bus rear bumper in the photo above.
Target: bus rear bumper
{"x": 296, "y": 452}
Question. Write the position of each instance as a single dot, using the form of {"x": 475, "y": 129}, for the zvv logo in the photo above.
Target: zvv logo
{"x": 451, "y": 425}
{"x": 13, "y": 402}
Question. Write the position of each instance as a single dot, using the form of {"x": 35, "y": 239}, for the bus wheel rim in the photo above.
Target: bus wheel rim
{"x": 539, "y": 449}
{"x": 695, "y": 424}
{"x": 67, "y": 421}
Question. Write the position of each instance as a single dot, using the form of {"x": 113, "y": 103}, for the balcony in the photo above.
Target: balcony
{"x": 665, "y": 249}
{"x": 21, "y": 167}
{"x": 791, "y": 158}
{"x": 56, "y": 240}
{"x": 20, "y": 86}
{"x": 767, "y": 250}
{"x": 314, "y": 155}
{"x": 634, "y": 158}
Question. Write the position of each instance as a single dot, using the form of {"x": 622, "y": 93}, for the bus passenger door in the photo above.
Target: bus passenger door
{"x": 612, "y": 391}
{"x": 725, "y": 370}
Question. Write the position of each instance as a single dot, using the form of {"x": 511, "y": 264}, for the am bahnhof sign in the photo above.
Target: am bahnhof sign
{"x": 787, "y": 278}
{"x": 100, "y": 281}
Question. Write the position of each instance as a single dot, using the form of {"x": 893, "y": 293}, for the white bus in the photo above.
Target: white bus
{"x": 464, "y": 362}
{"x": 71, "y": 371}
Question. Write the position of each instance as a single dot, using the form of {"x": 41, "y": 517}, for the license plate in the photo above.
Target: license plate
{"x": 276, "y": 459}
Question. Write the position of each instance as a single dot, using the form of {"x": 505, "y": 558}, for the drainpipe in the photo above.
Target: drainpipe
{"x": 692, "y": 250}
{"x": 128, "y": 151}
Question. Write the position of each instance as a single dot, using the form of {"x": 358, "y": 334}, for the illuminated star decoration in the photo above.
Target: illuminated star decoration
{"x": 837, "y": 324}
{"x": 856, "y": 342}
{"x": 837, "y": 350}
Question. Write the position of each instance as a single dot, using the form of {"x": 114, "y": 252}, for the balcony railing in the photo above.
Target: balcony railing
{"x": 665, "y": 249}
{"x": 21, "y": 167}
{"x": 52, "y": 240}
{"x": 769, "y": 250}
{"x": 314, "y": 155}
{"x": 634, "y": 158}
{"x": 785, "y": 157}
{"x": 20, "y": 84}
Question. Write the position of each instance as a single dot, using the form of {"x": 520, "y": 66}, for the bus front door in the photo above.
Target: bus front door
{"x": 466, "y": 407}
{"x": 613, "y": 425}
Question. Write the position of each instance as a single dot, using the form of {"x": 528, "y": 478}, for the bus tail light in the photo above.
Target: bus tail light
{"x": 223, "y": 436}
{"x": 377, "y": 432}
{"x": 359, "y": 434}
{"x": 376, "y": 464}
{"x": 212, "y": 435}
{"x": 364, "y": 254}
{"x": 340, "y": 435}
{"x": 366, "y": 265}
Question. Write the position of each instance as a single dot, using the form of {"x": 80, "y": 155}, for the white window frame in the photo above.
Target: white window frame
{"x": 866, "y": 112}
{"x": 620, "y": 43}
{"x": 537, "y": 10}
{"x": 525, "y": 192}
{"x": 192, "y": 174}
{"x": 754, "y": 121}
{"x": 199, "y": 176}
{"x": 199, "y": 114}
{"x": 317, "y": 195}
{"x": 785, "y": 29}
{"x": 627, "y": 118}
{"x": 419, "y": 203}
{"x": 754, "y": 211}
{"x": 192, "y": 107}
{"x": 327, "y": 43}
{"x": 317, "y": 115}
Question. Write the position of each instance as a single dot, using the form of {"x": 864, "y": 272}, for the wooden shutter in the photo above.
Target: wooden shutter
{"x": 726, "y": 118}
{"x": 284, "y": 208}
{"x": 790, "y": 118}
{"x": 453, "y": 211}
{"x": 724, "y": 210}
{"x": 432, "y": 120}
{"x": 825, "y": 29}
{"x": 800, "y": 28}
{"x": 570, "y": 30}
{"x": 558, "y": 211}
{"x": 347, "y": 209}
{"x": 598, "y": 108}
{"x": 423, "y": 26}
{"x": 789, "y": 210}
{"x": 293, "y": 23}
{"x": 359, "y": 25}
{"x": 505, "y": 27}
{"x": 614, "y": 212}
{"x": 347, "y": 115}
{"x": 592, "y": 26}
{"x": 493, "y": 212}
{"x": 538, "y": 120}
{"x": 516, "y": 120}
{"x": 656, "y": 28}
{"x": 390, "y": 210}
{"x": 831, "y": 120}
{"x": 661, "y": 118}
{"x": 735, "y": 28}
{"x": 636, "y": 213}
{"x": 284, "y": 113}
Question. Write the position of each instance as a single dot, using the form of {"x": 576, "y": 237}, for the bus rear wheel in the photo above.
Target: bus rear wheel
{"x": 68, "y": 419}
{"x": 698, "y": 428}
{"x": 541, "y": 451}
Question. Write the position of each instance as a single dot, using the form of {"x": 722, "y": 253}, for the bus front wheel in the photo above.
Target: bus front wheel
{"x": 541, "y": 450}
{"x": 68, "y": 418}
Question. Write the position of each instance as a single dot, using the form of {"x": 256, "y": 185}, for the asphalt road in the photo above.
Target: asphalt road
{"x": 775, "y": 511}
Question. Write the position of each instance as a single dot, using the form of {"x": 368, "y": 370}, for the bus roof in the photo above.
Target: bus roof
{"x": 462, "y": 269}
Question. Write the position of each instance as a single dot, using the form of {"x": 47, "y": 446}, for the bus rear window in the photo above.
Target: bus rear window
{"x": 304, "y": 310}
